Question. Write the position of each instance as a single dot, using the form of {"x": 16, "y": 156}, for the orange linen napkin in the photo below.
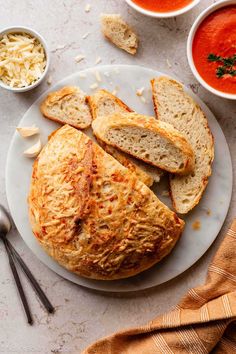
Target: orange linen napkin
{"x": 203, "y": 322}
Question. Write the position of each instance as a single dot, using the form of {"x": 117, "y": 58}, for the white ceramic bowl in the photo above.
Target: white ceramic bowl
{"x": 162, "y": 14}
{"x": 191, "y": 36}
{"x": 20, "y": 29}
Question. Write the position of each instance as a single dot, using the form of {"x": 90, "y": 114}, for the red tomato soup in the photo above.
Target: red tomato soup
{"x": 162, "y": 5}
{"x": 214, "y": 49}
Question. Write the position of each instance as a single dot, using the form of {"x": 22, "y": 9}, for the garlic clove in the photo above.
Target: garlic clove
{"x": 34, "y": 150}
{"x": 26, "y": 132}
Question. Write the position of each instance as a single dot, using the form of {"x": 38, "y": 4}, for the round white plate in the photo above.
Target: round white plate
{"x": 211, "y": 211}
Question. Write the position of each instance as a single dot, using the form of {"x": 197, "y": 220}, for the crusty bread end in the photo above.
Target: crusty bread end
{"x": 118, "y": 32}
{"x": 67, "y": 106}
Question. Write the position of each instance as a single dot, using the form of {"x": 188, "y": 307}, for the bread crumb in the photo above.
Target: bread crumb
{"x": 87, "y": 8}
{"x": 98, "y": 76}
{"x": 139, "y": 92}
{"x": 168, "y": 63}
{"x": 165, "y": 193}
{"x": 82, "y": 75}
{"x": 98, "y": 60}
{"x": 86, "y": 35}
{"x": 79, "y": 58}
{"x": 94, "y": 86}
{"x": 49, "y": 80}
{"x": 143, "y": 99}
{"x": 208, "y": 212}
{"x": 106, "y": 73}
{"x": 196, "y": 225}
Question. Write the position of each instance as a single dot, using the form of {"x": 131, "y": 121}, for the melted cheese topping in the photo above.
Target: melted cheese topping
{"x": 22, "y": 59}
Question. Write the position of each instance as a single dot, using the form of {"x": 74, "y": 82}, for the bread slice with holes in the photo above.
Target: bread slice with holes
{"x": 174, "y": 106}
{"x": 147, "y": 139}
{"x": 103, "y": 103}
{"x": 118, "y": 32}
{"x": 67, "y": 106}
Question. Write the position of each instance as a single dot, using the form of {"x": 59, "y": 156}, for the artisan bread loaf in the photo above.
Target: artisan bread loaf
{"x": 174, "y": 106}
{"x": 67, "y": 106}
{"x": 103, "y": 103}
{"x": 118, "y": 32}
{"x": 147, "y": 139}
{"x": 92, "y": 215}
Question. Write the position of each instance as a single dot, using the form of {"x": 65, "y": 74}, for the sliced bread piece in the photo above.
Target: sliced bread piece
{"x": 147, "y": 139}
{"x": 67, "y": 106}
{"x": 174, "y": 106}
{"x": 118, "y": 32}
{"x": 104, "y": 103}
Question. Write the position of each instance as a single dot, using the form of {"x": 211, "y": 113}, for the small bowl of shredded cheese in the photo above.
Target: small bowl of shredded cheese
{"x": 24, "y": 59}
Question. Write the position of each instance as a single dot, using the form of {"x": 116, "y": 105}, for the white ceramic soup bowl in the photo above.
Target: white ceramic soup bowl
{"x": 163, "y": 14}
{"x": 195, "y": 26}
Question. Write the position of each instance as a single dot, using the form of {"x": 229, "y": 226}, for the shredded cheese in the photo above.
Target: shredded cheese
{"x": 94, "y": 86}
{"x": 143, "y": 99}
{"x": 79, "y": 58}
{"x": 49, "y": 80}
{"x": 82, "y": 75}
{"x": 86, "y": 35}
{"x": 98, "y": 76}
{"x": 22, "y": 59}
{"x": 98, "y": 60}
{"x": 116, "y": 89}
{"x": 140, "y": 91}
{"x": 87, "y": 8}
{"x": 168, "y": 63}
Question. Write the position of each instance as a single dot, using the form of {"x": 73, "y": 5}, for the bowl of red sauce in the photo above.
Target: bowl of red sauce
{"x": 211, "y": 49}
{"x": 162, "y": 8}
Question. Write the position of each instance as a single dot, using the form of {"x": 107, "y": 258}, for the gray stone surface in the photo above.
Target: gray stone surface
{"x": 82, "y": 315}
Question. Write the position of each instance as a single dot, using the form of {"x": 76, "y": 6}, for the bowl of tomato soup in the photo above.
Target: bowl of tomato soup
{"x": 162, "y": 8}
{"x": 211, "y": 49}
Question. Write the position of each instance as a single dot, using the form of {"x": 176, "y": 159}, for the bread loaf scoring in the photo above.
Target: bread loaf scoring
{"x": 92, "y": 215}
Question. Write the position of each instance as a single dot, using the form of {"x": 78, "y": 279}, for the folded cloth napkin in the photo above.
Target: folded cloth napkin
{"x": 203, "y": 322}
